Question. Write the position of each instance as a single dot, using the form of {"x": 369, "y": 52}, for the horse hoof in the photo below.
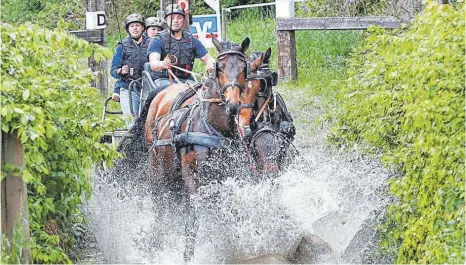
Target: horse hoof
{"x": 187, "y": 256}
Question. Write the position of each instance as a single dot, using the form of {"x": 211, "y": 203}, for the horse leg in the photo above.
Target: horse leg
{"x": 266, "y": 153}
{"x": 192, "y": 225}
{"x": 190, "y": 175}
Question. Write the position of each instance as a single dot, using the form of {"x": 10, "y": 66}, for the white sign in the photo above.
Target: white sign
{"x": 214, "y": 4}
{"x": 203, "y": 26}
{"x": 96, "y": 20}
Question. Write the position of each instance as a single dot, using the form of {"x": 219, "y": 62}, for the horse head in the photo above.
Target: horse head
{"x": 231, "y": 71}
{"x": 259, "y": 84}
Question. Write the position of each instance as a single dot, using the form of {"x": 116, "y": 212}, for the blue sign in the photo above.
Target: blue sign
{"x": 203, "y": 25}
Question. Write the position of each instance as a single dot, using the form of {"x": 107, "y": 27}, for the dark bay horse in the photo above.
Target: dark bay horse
{"x": 266, "y": 126}
{"x": 183, "y": 140}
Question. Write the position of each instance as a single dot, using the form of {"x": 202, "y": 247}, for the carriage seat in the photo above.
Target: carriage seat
{"x": 147, "y": 82}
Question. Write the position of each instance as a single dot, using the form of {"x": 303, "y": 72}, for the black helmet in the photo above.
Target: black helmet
{"x": 177, "y": 9}
{"x": 134, "y": 18}
{"x": 154, "y": 22}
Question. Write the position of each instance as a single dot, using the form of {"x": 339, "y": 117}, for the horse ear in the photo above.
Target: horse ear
{"x": 216, "y": 43}
{"x": 257, "y": 63}
{"x": 245, "y": 44}
{"x": 267, "y": 55}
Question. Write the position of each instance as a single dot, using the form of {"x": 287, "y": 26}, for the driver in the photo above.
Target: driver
{"x": 177, "y": 42}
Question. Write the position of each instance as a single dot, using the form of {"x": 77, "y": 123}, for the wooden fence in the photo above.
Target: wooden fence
{"x": 287, "y": 24}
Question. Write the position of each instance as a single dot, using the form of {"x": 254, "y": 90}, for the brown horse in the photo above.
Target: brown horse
{"x": 180, "y": 95}
{"x": 184, "y": 139}
{"x": 265, "y": 125}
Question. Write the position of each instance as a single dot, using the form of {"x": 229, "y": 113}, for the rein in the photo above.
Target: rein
{"x": 266, "y": 103}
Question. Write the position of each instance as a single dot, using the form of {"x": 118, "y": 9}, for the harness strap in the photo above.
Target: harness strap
{"x": 203, "y": 139}
{"x": 282, "y": 104}
{"x": 194, "y": 138}
{"x": 212, "y": 100}
{"x": 247, "y": 106}
{"x": 190, "y": 119}
{"x": 266, "y": 103}
{"x": 211, "y": 129}
{"x": 207, "y": 126}
{"x": 273, "y": 132}
{"x": 182, "y": 97}
{"x": 262, "y": 94}
{"x": 232, "y": 84}
{"x": 165, "y": 142}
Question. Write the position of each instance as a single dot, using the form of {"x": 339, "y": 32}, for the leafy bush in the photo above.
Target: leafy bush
{"x": 47, "y": 13}
{"x": 405, "y": 98}
{"x": 332, "y": 8}
{"x": 46, "y": 100}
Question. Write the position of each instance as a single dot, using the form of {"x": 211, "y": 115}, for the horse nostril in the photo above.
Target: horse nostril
{"x": 232, "y": 108}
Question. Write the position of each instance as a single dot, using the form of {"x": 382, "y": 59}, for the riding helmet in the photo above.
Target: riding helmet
{"x": 134, "y": 18}
{"x": 154, "y": 22}
{"x": 177, "y": 9}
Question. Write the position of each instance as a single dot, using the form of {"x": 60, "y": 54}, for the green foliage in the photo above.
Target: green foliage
{"x": 12, "y": 251}
{"x": 46, "y": 100}
{"x": 331, "y": 8}
{"x": 335, "y": 8}
{"x": 69, "y": 14}
{"x": 405, "y": 98}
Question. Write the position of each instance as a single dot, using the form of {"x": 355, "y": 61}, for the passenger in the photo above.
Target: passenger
{"x": 153, "y": 26}
{"x": 127, "y": 64}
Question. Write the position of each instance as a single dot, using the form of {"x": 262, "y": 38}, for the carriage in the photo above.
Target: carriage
{"x": 143, "y": 86}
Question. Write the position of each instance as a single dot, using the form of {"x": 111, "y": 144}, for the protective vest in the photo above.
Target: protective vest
{"x": 183, "y": 49}
{"x": 134, "y": 56}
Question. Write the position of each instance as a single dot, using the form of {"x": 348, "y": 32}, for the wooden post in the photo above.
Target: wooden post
{"x": 14, "y": 194}
{"x": 99, "y": 68}
{"x": 287, "y": 67}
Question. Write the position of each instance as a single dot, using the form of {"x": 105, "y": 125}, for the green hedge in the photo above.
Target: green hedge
{"x": 405, "y": 99}
{"x": 47, "y": 101}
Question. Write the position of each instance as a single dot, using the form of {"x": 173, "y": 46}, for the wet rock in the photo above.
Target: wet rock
{"x": 266, "y": 259}
{"x": 363, "y": 246}
{"x": 310, "y": 250}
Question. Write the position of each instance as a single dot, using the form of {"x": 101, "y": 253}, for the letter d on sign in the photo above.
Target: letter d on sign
{"x": 101, "y": 20}
{"x": 95, "y": 20}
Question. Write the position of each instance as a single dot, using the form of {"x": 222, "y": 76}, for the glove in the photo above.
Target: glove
{"x": 116, "y": 97}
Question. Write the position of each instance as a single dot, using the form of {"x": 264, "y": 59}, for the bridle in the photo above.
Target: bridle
{"x": 235, "y": 83}
{"x": 261, "y": 74}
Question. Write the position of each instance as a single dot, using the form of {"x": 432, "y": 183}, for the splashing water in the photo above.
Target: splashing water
{"x": 325, "y": 192}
